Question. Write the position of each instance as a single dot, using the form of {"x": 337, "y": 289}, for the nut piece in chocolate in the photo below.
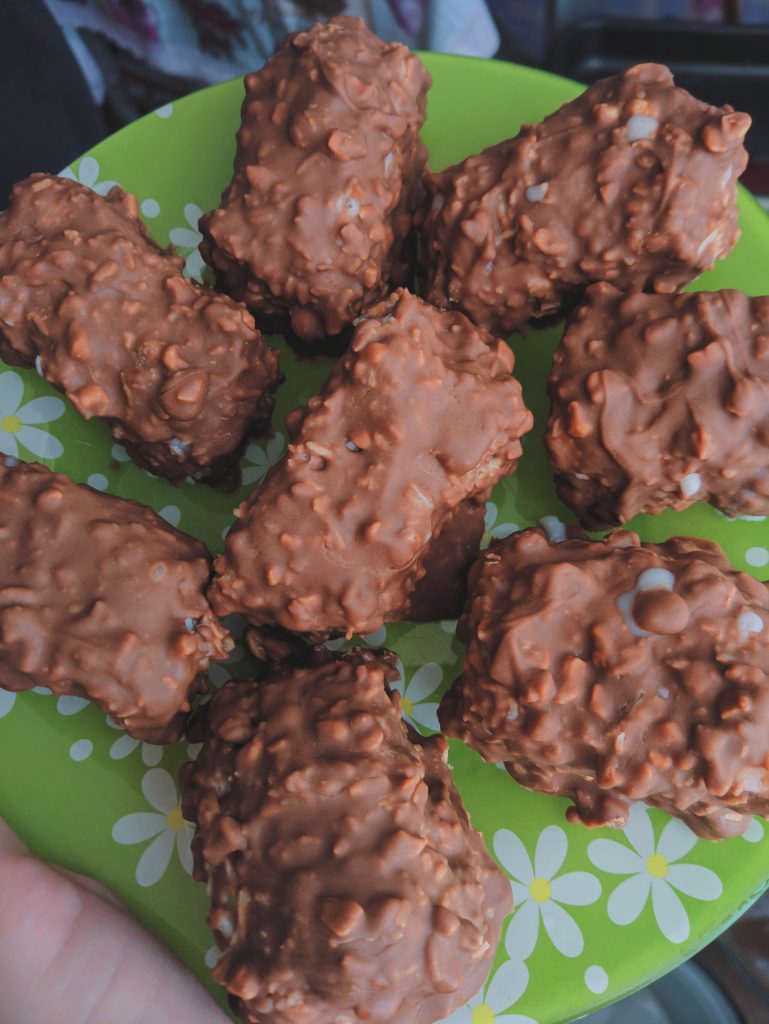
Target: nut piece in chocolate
{"x": 421, "y": 414}
{"x": 658, "y": 401}
{"x": 612, "y": 671}
{"x": 178, "y": 372}
{"x": 328, "y": 172}
{"x": 101, "y": 598}
{"x": 633, "y": 182}
{"x": 347, "y": 884}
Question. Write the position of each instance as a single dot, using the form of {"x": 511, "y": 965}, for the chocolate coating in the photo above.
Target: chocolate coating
{"x": 441, "y": 592}
{"x": 613, "y": 671}
{"x": 101, "y": 598}
{"x": 633, "y": 182}
{"x": 658, "y": 401}
{"x": 418, "y": 416}
{"x": 178, "y": 372}
{"x": 347, "y": 883}
{"x": 327, "y": 178}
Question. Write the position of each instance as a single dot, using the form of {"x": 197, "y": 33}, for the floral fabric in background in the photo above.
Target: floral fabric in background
{"x": 208, "y": 41}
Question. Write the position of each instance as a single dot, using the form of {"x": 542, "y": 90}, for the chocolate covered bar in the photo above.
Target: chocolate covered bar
{"x": 658, "y": 401}
{"x": 441, "y": 592}
{"x": 328, "y": 175}
{"x": 613, "y": 671}
{"x": 633, "y": 182}
{"x": 347, "y": 884}
{"x": 420, "y": 415}
{"x": 178, "y": 372}
{"x": 101, "y": 598}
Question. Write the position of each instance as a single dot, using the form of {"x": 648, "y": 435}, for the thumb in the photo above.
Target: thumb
{"x": 100, "y": 966}
{"x": 10, "y": 844}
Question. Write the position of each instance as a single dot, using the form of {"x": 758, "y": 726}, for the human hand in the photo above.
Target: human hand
{"x": 71, "y": 953}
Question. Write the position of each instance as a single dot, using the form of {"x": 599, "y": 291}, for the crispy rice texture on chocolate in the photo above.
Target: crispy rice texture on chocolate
{"x": 101, "y": 598}
{"x": 178, "y": 372}
{"x": 613, "y": 671}
{"x": 347, "y": 883}
{"x": 420, "y": 415}
{"x": 328, "y": 176}
{"x": 633, "y": 182}
{"x": 658, "y": 401}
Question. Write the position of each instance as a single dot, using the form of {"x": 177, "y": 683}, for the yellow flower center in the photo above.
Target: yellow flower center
{"x": 11, "y": 424}
{"x": 483, "y": 1014}
{"x": 540, "y": 890}
{"x": 407, "y": 705}
{"x": 175, "y": 821}
{"x": 657, "y": 865}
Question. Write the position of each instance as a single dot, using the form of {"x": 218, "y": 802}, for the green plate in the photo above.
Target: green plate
{"x": 599, "y": 913}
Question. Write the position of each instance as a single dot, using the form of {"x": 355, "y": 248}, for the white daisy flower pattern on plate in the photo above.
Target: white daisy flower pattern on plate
{"x": 258, "y": 458}
{"x": 119, "y": 454}
{"x": 20, "y": 424}
{"x": 87, "y": 173}
{"x": 491, "y": 529}
{"x": 81, "y": 750}
{"x": 758, "y": 557}
{"x": 166, "y": 828}
{"x": 150, "y": 208}
{"x": 70, "y": 704}
{"x": 377, "y": 638}
{"x": 7, "y": 700}
{"x": 171, "y": 513}
{"x": 490, "y": 1004}
{"x": 654, "y": 869}
{"x": 754, "y": 832}
{"x": 416, "y": 708}
{"x": 124, "y": 746}
{"x": 539, "y": 891}
{"x": 188, "y": 239}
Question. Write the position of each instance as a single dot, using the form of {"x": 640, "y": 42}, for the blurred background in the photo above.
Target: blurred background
{"x": 80, "y": 69}
{"x": 73, "y": 71}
